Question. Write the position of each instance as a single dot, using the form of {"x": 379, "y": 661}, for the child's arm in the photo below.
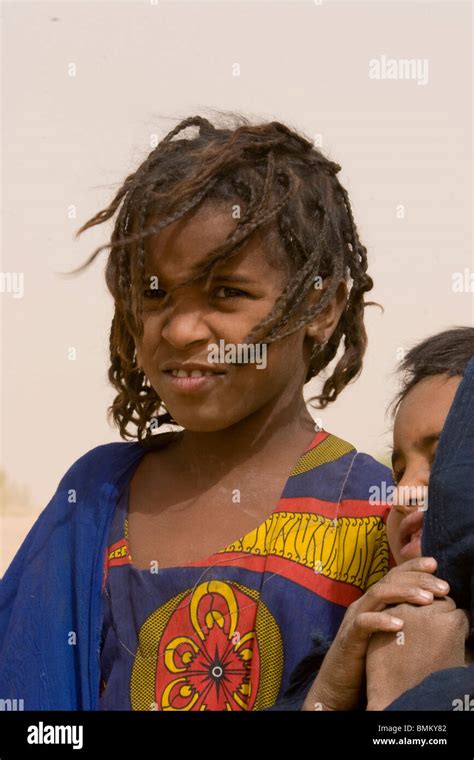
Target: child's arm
{"x": 434, "y": 640}
{"x": 340, "y": 678}
{"x": 332, "y": 678}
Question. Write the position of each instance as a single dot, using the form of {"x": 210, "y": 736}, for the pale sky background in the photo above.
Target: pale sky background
{"x": 142, "y": 67}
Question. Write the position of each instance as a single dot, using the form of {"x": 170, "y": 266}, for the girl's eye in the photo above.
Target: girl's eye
{"x": 225, "y": 293}
{"x": 231, "y": 292}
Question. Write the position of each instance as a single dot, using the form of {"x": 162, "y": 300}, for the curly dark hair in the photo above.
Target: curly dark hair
{"x": 446, "y": 353}
{"x": 289, "y": 190}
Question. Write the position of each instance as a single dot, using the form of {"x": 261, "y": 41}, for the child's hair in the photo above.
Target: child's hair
{"x": 289, "y": 190}
{"x": 446, "y": 353}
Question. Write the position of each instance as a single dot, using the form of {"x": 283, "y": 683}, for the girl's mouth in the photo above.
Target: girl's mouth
{"x": 193, "y": 381}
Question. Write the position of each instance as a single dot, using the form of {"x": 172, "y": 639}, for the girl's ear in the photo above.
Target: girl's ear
{"x": 322, "y": 327}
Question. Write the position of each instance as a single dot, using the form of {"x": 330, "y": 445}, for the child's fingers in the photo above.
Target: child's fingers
{"x": 352, "y": 640}
{"x": 367, "y": 623}
{"x": 447, "y": 604}
{"x": 412, "y": 587}
{"x": 422, "y": 564}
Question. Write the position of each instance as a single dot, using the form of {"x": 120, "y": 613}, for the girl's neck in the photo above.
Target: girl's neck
{"x": 257, "y": 438}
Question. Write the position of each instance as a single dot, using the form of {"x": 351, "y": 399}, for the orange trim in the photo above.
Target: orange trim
{"x": 334, "y": 591}
{"x": 118, "y": 553}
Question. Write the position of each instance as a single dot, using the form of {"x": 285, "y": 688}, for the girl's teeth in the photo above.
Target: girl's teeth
{"x": 193, "y": 373}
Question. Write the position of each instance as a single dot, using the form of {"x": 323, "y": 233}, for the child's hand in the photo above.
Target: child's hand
{"x": 434, "y": 639}
{"x": 338, "y": 683}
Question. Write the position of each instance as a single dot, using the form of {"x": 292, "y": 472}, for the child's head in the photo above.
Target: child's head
{"x": 432, "y": 371}
{"x": 239, "y": 236}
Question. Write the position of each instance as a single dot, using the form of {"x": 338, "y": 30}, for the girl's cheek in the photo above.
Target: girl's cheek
{"x": 393, "y": 531}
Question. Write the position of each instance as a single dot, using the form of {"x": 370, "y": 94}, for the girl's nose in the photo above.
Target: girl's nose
{"x": 410, "y": 497}
{"x": 185, "y": 327}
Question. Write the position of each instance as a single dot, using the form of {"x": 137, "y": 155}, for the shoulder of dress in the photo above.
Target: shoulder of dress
{"x": 369, "y": 481}
{"x": 104, "y": 462}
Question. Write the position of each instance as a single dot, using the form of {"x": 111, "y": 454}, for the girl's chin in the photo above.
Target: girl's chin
{"x": 412, "y": 549}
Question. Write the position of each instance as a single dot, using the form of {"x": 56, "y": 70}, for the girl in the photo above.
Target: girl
{"x": 433, "y": 441}
{"x": 188, "y": 569}
{"x": 433, "y": 372}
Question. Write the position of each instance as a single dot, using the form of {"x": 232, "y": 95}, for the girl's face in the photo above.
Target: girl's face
{"x": 418, "y": 425}
{"x": 181, "y": 327}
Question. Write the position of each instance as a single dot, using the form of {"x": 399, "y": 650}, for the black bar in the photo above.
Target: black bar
{"x": 128, "y": 734}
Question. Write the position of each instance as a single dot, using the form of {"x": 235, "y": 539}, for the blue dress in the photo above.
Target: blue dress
{"x": 226, "y": 632}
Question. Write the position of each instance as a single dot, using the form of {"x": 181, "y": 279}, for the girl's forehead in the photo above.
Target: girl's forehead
{"x": 195, "y": 234}
{"x": 425, "y": 407}
{"x": 186, "y": 243}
